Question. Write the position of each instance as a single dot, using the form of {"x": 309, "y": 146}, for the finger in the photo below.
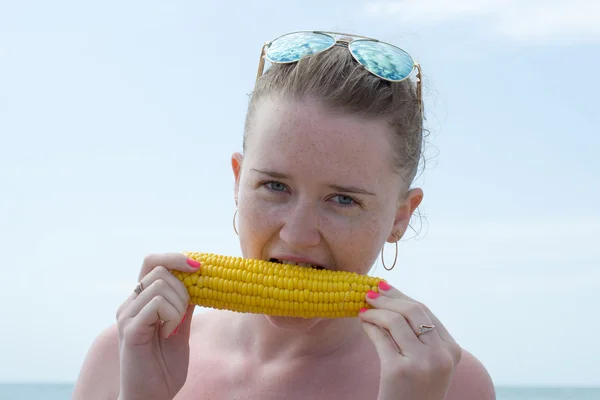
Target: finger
{"x": 158, "y": 288}
{"x": 411, "y": 311}
{"x": 389, "y": 291}
{"x": 171, "y": 261}
{"x": 163, "y": 273}
{"x": 156, "y": 310}
{"x": 147, "y": 277}
{"x": 400, "y": 331}
{"x": 385, "y": 346}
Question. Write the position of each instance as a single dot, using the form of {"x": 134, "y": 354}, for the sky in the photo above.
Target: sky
{"x": 118, "y": 120}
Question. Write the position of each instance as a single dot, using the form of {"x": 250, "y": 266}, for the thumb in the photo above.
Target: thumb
{"x": 384, "y": 345}
{"x": 186, "y": 326}
{"x": 183, "y": 330}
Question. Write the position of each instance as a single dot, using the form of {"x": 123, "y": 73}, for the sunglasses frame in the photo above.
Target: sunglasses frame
{"x": 343, "y": 42}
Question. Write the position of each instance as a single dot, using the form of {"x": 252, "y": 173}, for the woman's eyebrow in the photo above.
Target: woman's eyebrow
{"x": 272, "y": 174}
{"x": 337, "y": 188}
{"x": 350, "y": 189}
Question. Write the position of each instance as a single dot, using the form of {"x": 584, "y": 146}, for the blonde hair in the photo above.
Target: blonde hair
{"x": 336, "y": 79}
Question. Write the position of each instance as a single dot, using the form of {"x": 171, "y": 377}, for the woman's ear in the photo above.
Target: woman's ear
{"x": 236, "y": 166}
{"x": 405, "y": 210}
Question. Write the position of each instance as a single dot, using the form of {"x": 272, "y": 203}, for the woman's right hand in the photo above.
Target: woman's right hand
{"x": 154, "y": 330}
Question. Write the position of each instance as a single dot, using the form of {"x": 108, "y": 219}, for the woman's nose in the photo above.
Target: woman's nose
{"x": 301, "y": 226}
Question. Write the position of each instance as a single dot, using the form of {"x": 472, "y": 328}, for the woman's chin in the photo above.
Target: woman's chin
{"x": 293, "y": 324}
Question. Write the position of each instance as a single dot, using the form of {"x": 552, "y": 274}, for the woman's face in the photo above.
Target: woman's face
{"x": 317, "y": 187}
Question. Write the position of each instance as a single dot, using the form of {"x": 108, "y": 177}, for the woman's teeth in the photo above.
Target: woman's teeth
{"x": 295, "y": 263}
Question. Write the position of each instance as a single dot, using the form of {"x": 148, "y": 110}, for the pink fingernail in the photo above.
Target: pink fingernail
{"x": 362, "y": 310}
{"x": 193, "y": 263}
{"x": 177, "y": 329}
{"x": 384, "y": 285}
{"x": 373, "y": 295}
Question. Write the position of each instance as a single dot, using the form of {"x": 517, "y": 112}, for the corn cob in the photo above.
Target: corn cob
{"x": 263, "y": 287}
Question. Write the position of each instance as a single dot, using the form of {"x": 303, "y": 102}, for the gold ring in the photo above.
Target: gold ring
{"x": 424, "y": 328}
{"x": 138, "y": 289}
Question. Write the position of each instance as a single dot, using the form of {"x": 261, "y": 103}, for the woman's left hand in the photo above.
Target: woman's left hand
{"x": 412, "y": 366}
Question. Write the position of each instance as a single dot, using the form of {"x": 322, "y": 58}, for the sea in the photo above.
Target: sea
{"x": 64, "y": 391}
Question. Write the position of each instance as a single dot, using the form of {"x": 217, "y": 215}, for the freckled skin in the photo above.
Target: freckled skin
{"x": 304, "y": 216}
{"x": 301, "y": 215}
{"x": 252, "y": 356}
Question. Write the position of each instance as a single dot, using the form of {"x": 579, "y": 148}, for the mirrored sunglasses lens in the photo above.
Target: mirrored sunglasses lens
{"x": 386, "y": 61}
{"x": 294, "y": 46}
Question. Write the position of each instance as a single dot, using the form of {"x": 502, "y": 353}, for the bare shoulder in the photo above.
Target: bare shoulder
{"x": 99, "y": 374}
{"x": 471, "y": 380}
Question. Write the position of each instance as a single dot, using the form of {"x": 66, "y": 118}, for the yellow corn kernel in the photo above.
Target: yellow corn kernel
{"x": 263, "y": 287}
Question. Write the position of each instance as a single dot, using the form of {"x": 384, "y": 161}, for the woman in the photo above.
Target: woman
{"x": 331, "y": 146}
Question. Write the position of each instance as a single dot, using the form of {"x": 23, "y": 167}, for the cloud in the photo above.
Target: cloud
{"x": 530, "y": 283}
{"x": 525, "y": 256}
{"x": 515, "y": 19}
{"x": 511, "y": 242}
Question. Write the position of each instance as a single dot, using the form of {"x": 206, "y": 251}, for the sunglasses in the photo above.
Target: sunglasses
{"x": 381, "y": 59}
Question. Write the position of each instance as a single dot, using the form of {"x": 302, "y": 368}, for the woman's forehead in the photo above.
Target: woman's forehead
{"x": 306, "y": 134}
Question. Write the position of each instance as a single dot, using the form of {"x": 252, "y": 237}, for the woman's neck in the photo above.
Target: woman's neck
{"x": 275, "y": 338}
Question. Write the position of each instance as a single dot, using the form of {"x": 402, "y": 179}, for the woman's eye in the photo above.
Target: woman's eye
{"x": 345, "y": 200}
{"x": 276, "y": 186}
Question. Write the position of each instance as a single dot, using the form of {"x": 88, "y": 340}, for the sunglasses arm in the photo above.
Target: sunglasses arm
{"x": 419, "y": 88}
{"x": 261, "y": 61}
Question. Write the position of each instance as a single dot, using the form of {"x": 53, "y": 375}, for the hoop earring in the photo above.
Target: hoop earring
{"x": 395, "y": 258}
{"x": 234, "y": 228}
{"x": 397, "y": 237}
